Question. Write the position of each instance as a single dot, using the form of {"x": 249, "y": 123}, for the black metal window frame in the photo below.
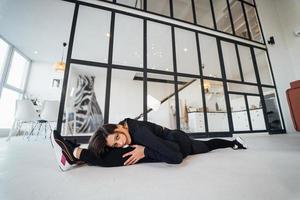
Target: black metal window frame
{"x": 144, "y": 9}
{"x": 109, "y": 66}
{"x": 243, "y": 2}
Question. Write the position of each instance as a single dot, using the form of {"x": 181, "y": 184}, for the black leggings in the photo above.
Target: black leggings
{"x": 206, "y": 146}
{"x": 189, "y": 146}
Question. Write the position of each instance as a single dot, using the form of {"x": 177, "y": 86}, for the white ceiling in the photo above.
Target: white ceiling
{"x": 36, "y": 25}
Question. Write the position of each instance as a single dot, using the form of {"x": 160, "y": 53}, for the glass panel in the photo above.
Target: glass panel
{"x": 85, "y": 97}
{"x": 186, "y": 52}
{"x": 92, "y": 34}
{"x": 222, "y": 16}
{"x": 139, "y": 4}
{"x": 203, "y": 13}
{"x": 161, "y": 89}
{"x": 215, "y": 106}
{"x": 7, "y": 107}
{"x": 128, "y": 44}
{"x": 247, "y": 64}
{"x": 256, "y": 113}
{"x": 230, "y": 61}
{"x": 263, "y": 67}
{"x": 126, "y": 96}
{"x": 4, "y": 47}
{"x": 191, "y": 105}
{"x": 239, "y": 113}
{"x": 18, "y": 71}
{"x": 159, "y": 47}
{"x": 235, "y": 87}
{"x": 273, "y": 113}
{"x": 183, "y": 10}
{"x": 159, "y": 6}
{"x": 238, "y": 18}
{"x": 253, "y": 23}
{"x": 209, "y": 56}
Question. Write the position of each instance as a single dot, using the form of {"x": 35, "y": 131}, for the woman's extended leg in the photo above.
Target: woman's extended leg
{"x": 206, "y": 146}
{"x": 199, "y": 146}
{"x": 69, "y": 154}
{"x": 112, "y": 158}
{"x": 190, "y": 146}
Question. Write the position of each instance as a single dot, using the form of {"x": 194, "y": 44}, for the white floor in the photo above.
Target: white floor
{"x": 268, "y": 170}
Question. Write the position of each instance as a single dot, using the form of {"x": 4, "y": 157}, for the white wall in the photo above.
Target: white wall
{"x": 278, "y": 19}
{"x": 40, "y": 81}
{"x": 126, "y": 99}
{"x": 289, "y": 18}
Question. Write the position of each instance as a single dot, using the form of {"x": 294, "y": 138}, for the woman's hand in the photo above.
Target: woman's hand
{"x": 135, "y": 155}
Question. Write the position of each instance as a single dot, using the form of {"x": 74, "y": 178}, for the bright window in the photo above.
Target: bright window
{"x": 12, "y": 83}
{"x": 3, "y": 55}
{"x": 18, "y": 71}
{"x": 7, "y": 106}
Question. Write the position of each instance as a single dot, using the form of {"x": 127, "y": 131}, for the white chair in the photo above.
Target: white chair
{"x": 49, "y": 114}
{"x": 24, "y": 113}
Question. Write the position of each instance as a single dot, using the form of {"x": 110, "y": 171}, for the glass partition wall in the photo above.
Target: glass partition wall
{"x": 123, "y": 65}
{"x": 234, "y": 17}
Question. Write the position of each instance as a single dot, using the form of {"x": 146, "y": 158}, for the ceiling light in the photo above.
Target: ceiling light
{"x": 35, "y": 52}
{"x": 185, "y": 49}
{"x": 60, "y": 65}
{"x": 107, "y": 35}
{"x": 206, "y": 86}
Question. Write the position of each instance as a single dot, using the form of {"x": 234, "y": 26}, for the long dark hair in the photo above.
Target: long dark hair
{"x": 97, "y": 143}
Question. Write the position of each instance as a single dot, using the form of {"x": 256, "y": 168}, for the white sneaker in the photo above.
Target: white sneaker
{"x": 239, "y": 143}
{"x": 63, "y": 157}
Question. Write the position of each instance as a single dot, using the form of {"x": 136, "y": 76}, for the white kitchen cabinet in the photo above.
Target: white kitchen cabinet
{"x": 217, "y": 122}
{"x": 196, "y": 122}
{"x": 240, "y": 121}
{"x": 257, "y": 119}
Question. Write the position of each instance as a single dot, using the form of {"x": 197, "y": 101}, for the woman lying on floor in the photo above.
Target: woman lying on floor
{"x": 133, "y": 141}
